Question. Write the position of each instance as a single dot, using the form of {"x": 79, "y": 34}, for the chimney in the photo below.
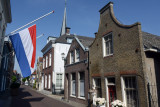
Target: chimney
{"x": 95, "y": 34}
{"x": 110, "y": 4}
{"x": 68, "y": 30}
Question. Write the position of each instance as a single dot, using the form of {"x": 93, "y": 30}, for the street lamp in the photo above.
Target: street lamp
{"x": 63, "y": 56}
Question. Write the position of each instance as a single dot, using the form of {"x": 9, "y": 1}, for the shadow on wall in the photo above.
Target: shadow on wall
{"x": 57, "y": 91}
{"x": 23, "y": 99}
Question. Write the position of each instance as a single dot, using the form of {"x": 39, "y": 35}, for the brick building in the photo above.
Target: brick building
{"x": 7, "y": 65}
{"x": 33, "y": 79}
{"x": 5, "y": 17}
{"x": 76, "y": 70}
{"x": 53, "y": 64}
{"x": 39, "y": 73}
{"x": 126, "y": 65}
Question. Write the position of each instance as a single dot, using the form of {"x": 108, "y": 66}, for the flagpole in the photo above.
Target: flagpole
{"x": 30, "y": 23}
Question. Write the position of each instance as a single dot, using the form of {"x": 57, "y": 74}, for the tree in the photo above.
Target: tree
{"x": 24, "y": 80}
{"x": 14, "y": 78}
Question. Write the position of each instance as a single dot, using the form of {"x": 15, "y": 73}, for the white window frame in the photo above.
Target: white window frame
{"x": 49, "y": 81}
{"x": 79, "y": 86}
{"x": 42, "y": 82}
{"x": 50, "y": 59}
{"x": 69, "y": 40}
{"x": 71, "y": 57}
{"x": 77, "y": 59}
{"x": 43, "y": 63}
{"x": 123, "y": 89}
{"x": 58, "y": 80}
{"x": 45, "y": 81}
{"x": 94, "y": 84}
{"x": 104, "y": 45}
{"x": 71, "y": 94}
{"x": 46, "y": 61}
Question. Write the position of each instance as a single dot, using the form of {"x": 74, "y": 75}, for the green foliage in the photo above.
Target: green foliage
{"x": 28, "y": 78}
{"x": 35, "y": 81}
{"x": 14, "y": 78}
{"x": 34, "y": 85}
{"x": 14, "y": 83}
{"x": 24, "y": 79}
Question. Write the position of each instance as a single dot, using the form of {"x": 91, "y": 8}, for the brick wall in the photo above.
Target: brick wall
{"x": 127, "y": 58}
{"x": 49, "y": 69}
{"x": 76, "y": 68}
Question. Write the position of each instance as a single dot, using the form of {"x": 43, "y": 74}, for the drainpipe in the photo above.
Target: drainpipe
{"x": 89, "y": 96}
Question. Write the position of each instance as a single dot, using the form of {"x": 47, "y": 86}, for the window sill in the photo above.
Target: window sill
{"x": 59, "y": 88}
{"x": 73, "y": 96}
{"x": 83, "y": 98}
{"x": 106, "y": 56}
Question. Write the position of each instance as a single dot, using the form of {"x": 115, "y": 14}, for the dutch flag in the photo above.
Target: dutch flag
{"x": 24, "y": 44}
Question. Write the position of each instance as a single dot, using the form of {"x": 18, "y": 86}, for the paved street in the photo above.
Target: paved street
{"x": 30, "y": 98}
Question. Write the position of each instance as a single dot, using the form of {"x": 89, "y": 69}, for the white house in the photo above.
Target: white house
{"x": 53, "y": 63}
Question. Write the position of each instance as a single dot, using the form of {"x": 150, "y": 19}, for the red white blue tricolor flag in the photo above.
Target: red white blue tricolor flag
{"x": 24, "y": 44}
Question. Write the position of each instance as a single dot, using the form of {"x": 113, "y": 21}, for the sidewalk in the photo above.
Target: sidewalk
{"x": 48, "y": 93}
{"x": 5, "y": 99}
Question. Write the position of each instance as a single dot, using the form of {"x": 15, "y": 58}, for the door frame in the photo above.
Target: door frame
{"x": 107, "y": 93}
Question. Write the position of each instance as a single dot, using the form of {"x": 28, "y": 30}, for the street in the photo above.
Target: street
{"x": 30, "y": 98}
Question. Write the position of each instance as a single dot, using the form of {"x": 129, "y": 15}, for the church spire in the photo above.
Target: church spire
{"x": 64, "y": 23}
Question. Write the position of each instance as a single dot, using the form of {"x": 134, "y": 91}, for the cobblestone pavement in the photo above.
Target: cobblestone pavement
{"x": 30, "y": 98}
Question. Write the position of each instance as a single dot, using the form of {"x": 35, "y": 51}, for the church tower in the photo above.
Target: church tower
{"x": 64, "y": 22}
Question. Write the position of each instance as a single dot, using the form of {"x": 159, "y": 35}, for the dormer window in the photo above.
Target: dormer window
{"x": 71, "y": 57}
{"x": 77, "y": 55}
{"x": 69, "y": 40}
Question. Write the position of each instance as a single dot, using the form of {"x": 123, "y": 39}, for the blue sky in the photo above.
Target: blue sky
{"x": 82, "y": 16}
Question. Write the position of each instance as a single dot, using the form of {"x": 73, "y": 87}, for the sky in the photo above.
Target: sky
{"x": 83, "y": 16}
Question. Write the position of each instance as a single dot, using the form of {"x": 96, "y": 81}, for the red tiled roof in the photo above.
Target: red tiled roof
{"x": 14, "y": 71}
{"x": 40, "y": 59}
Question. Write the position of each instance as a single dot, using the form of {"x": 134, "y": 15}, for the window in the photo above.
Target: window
{"x": 45, "y": 81}
{"x": 130, "y": 95}
{"x": 77, "y": 55}
{"x": 71, "y": 57}
{"x": 97, "y": 86}
{"x": 50, "y": 59}
{"x": 46, "y": 61}
{"x": 58, "y": 80}
{"x": 43, "y": 63}
{"x": 107, "y": 45}
{"x": 49, "y": 83}
{"x": 81, "y": 84}
{"x": 69, "y": 40}
{"x": 73, "y": 84}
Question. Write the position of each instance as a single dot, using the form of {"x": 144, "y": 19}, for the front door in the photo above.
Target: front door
{"x": 111, "y": 94}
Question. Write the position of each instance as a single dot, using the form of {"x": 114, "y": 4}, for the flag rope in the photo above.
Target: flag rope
{"x": 30, "y": 23}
